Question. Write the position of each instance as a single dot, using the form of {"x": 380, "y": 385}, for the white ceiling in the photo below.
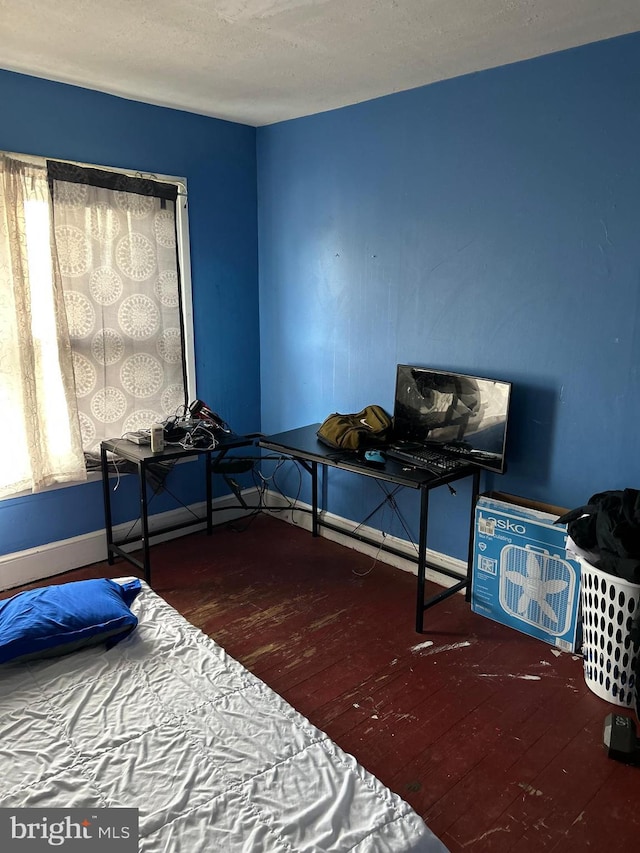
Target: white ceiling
{"x": 263, "y": 61}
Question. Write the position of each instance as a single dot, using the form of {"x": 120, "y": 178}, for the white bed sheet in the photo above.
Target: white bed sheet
{"x": 215, "y": 761}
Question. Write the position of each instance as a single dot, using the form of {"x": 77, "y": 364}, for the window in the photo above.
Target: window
{"x": 104, "y": 257}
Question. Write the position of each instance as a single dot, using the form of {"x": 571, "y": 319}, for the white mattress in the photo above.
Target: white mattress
{"x": 215, "y": 761}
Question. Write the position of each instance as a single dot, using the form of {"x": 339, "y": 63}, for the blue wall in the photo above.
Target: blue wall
{"x": 218, "y": 160}
{"x": 488, "y": 224}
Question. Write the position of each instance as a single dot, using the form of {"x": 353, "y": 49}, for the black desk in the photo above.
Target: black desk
{"x": 303, "y": 446}
{"x": 141, "y": 456}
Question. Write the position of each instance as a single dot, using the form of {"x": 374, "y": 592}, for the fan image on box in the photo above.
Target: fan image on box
{"x": 537, "y": 588}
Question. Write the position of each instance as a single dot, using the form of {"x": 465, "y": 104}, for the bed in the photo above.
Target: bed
{"x": 168, "y": 723}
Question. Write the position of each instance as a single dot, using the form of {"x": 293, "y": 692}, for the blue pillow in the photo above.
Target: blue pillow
{"x": 55, "y": 620}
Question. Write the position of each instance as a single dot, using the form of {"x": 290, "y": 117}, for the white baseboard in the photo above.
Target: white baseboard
{"x": 45, "y": 561}
{"x": 62, "y": 556}
{"x": 303, "y": 519}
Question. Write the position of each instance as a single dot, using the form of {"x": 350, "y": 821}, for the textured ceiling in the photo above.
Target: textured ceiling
{"x": 262, "y": 61}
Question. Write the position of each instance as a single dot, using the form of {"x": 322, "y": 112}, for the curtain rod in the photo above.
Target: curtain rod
{"x": 35, "y": 159}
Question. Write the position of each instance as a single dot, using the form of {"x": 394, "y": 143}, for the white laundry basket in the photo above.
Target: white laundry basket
{"x": 609, "y": 606}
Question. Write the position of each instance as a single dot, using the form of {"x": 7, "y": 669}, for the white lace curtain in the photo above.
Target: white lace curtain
{"x": 42, "y": 443}
{"x": 91, "y": 336}
{"x": 115, "y": 237}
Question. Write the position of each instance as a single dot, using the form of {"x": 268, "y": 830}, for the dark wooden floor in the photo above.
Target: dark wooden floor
{"x": 493, "y": 737}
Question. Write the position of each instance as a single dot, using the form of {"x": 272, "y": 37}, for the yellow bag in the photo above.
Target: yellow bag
{"x": 369, "y": 428}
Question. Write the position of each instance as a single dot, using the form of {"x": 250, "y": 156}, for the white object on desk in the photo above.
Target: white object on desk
{"x": 157, "y": 438}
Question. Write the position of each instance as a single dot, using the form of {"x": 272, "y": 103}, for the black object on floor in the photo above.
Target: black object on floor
{"x": 620, "y": 739}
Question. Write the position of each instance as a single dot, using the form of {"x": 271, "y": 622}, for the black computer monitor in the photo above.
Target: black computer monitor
{"x": 465, "y": 414}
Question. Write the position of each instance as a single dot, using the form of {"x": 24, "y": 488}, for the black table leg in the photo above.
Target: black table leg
{"x": 422, "y": 558}
{"x": 107, "y": 503}
{"x": 209, "y": 487}
{"x": 474, "y": 497}
{"x": 314, "y": 499}
{"x": 144, "y": 520}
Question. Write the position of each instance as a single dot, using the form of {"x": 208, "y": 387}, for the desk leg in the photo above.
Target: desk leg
{"x": 474, "y": 498}
{"x": 422, "y": 558}
{"x": 144, "y": 520}
{"x": 106, "y": 494}
{"x": 209, "y": 495}
{"x": 314, "y": 499}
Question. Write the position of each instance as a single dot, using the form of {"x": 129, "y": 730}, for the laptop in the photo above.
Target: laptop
{"x": 446, "y": 421}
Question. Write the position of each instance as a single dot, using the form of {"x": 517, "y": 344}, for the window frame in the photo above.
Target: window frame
{"x": 186, "y": 296}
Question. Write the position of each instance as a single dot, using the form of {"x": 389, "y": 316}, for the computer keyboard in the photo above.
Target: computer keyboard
{"x": 432, "y": 460}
